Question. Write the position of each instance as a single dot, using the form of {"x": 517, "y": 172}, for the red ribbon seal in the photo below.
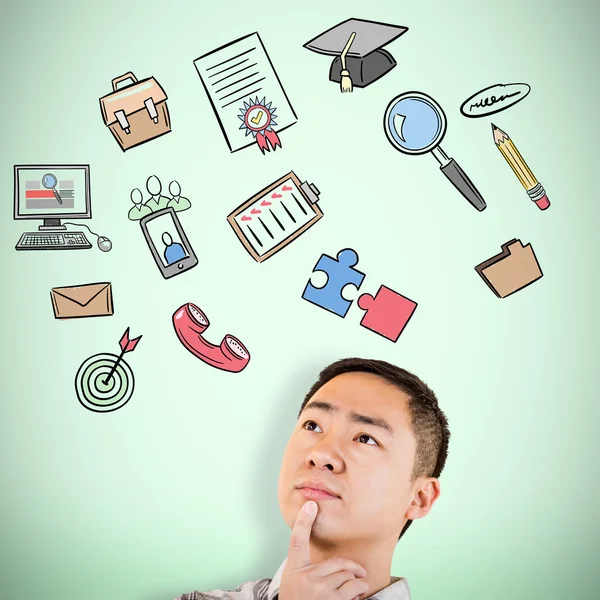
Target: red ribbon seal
{"x": 258, "y": 119}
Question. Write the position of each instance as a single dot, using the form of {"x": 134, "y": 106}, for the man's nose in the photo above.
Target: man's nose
{"x": 325, "y": 454}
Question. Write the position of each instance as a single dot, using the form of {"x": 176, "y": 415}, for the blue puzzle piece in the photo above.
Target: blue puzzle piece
{"x": 340, "y": 272}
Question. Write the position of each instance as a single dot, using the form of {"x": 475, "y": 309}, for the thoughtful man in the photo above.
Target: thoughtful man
{"x": 362, "y": 463}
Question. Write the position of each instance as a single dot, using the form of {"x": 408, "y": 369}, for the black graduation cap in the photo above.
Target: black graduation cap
{"x": 357, "y": 45}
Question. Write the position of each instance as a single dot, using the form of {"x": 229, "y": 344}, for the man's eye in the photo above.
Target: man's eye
{"x": 311, "y": 426}
{"x": 311, "y": 423}
{"x": 364, "y": 435}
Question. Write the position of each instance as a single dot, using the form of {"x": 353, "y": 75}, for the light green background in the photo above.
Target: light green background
{"x": 177, "y": 490}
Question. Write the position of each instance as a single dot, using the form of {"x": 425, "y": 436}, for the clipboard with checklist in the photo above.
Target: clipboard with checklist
{"x": 276, "y": 216}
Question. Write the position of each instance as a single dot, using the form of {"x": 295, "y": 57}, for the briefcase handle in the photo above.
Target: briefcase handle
{"x": 117, "y": 80}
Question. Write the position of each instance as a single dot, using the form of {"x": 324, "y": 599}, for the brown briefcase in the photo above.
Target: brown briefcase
{"x": 136, "y": 113}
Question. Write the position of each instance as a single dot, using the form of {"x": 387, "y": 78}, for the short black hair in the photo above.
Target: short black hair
{"x": 429, "y": 423}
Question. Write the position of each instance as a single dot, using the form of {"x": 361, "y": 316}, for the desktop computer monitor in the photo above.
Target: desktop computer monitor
{"x": 52, "y": 193}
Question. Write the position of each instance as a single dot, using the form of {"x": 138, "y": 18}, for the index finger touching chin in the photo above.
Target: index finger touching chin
{"x": 299, "y": 549}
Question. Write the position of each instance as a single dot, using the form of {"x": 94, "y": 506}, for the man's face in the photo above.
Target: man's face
{"x": 367, "y": 466}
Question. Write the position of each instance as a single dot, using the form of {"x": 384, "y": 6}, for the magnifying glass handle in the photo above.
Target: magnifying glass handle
{"x": 463, "y": 184}
{"x": 57, "y": 196}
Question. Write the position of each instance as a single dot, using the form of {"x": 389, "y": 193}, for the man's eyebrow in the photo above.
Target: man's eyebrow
{"x": 352, "y": 416}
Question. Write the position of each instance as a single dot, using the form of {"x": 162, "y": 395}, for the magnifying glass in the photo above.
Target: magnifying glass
{"x": 50, "y": 182}
{"x": 414, "y": 123}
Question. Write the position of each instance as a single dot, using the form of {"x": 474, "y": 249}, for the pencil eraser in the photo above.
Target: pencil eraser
{"x": 543, "y": 203}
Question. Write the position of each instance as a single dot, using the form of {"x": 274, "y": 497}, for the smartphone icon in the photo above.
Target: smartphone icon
{"x": 168, "y": 243}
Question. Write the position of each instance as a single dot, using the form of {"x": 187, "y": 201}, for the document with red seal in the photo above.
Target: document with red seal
{"x": 242, "y": 85}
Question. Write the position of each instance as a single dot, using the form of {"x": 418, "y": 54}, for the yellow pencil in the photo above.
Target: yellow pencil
{"x": 513, "y": 157}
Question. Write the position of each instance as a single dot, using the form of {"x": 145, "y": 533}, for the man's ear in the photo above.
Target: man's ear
{"x": 426, "y": 492}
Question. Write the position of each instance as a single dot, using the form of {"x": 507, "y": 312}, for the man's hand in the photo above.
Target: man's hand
{"x": 333, "y": 579}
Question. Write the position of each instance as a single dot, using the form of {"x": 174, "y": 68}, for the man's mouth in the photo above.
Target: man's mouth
{"x": 313, "y": 494}
{"x": 316, "y": 491}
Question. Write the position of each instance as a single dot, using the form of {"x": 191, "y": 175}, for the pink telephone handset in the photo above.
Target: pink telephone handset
{"x": 190, "y": 323}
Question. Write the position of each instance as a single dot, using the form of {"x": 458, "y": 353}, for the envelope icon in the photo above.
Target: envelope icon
{"x": 90, "y": 300}
{"x": 510, "y": 271}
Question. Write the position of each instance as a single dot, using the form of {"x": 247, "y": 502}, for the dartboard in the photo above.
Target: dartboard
{"x": 99, "y": 392}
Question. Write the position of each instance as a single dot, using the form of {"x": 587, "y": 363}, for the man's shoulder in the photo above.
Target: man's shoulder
{"x": 249, "y": 590}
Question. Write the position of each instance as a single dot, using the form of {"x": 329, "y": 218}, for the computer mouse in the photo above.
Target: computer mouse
{"x": 104, "y": 243}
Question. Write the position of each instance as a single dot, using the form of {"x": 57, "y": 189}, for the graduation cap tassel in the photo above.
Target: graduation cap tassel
{"x": 346, "y": 81}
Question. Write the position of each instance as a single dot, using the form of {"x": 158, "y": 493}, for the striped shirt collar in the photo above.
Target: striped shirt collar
{"x": 397, "y": 590}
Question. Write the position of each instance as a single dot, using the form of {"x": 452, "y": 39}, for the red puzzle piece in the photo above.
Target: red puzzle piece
{"x": 387, "y": 313}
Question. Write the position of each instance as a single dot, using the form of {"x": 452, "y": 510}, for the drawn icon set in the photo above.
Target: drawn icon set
{"x": 253, "y": 109}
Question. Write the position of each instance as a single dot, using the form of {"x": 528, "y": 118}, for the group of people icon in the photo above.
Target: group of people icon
{"x": 156, "y": 201}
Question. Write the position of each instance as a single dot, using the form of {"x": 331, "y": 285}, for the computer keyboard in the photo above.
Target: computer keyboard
{"x": 39, "y": 240}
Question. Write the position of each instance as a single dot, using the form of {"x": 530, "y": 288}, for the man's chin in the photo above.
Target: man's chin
{"x": 328, "y": 525}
